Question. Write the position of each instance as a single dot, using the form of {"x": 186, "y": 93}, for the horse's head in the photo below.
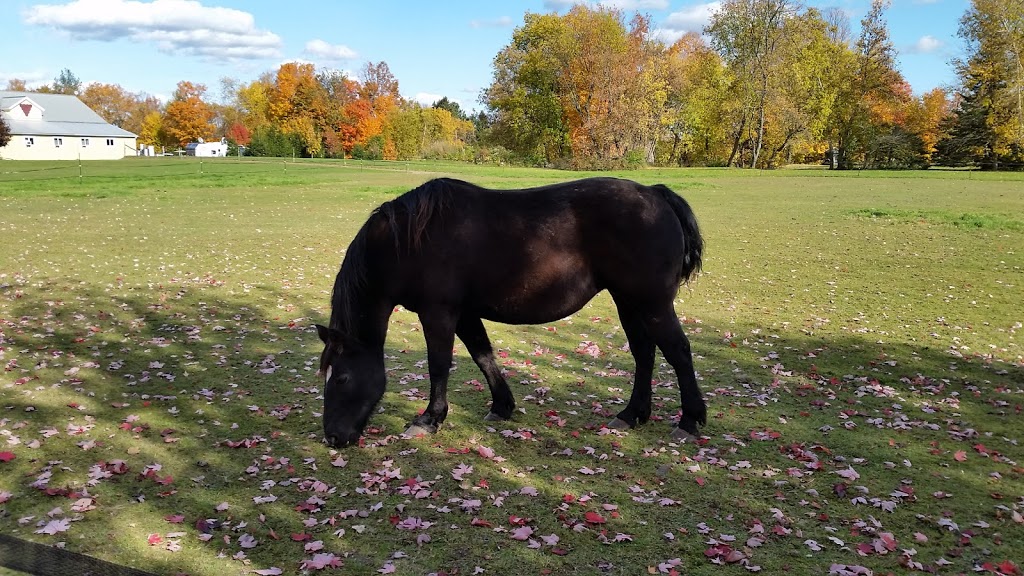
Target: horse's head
{"x": 354, "y": 384}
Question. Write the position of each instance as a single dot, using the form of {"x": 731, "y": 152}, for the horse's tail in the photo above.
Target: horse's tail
{"x": 693, "y": 242}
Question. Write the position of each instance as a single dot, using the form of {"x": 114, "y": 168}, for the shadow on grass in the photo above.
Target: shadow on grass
{"x": 178, "y": 430}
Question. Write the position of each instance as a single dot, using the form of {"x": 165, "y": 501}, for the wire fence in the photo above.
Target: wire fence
{"x": 179, "y": 167}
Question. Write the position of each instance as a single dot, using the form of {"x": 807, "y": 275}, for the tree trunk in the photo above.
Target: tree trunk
{"x": 736, "y": 141}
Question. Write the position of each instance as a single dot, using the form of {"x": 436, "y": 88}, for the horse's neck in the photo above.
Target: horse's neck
{"x": 363, "y": 323}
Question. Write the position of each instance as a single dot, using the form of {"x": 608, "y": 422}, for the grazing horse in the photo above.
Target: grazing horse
{"x": 455, "y": 253}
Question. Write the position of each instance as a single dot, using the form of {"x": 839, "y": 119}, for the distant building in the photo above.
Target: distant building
{"x": 207, "y": 148}
{"x": 59, "y": 127}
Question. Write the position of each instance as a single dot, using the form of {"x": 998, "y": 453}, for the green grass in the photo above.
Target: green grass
{"x": 871, "y": 320}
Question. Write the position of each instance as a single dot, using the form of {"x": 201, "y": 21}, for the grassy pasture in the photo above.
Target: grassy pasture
{"x": 858, "y": 339}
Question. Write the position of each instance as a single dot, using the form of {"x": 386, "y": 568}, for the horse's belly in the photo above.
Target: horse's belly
{"x": 539, "y": 302}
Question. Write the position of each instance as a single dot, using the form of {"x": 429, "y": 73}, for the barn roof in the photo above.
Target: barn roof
{"x": 63, "y": 115}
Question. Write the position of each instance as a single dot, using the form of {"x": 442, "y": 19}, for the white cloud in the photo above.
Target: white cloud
{"x": 174, "y": 26}
{"x": 690, "y": 19}
{"x": 634, "y": 5}
{"x": 33, "y": 79}
{"x": 426, "y": 98}
{"x": 502, "y": 22}
{"x": 624, "y": 5}
{"x": 925, "y": 45}
{"x": 331, "y": 52}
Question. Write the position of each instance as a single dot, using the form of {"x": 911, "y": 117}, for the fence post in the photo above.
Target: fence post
{"x": 79, "y": 168}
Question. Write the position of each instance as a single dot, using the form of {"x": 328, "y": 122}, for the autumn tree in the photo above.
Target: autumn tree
{"x": 188, "y": 117}
{"x": 151, "y": 130}
{"x": 693, "y": 122}
{"x": 749, "y": 35}
{"x": 582, "y": 85}
{"x": 17, "y": 85}
{"x": 871, "y": 84}
{"x": 5, "y": 132}
{"x": 526, "y": 113}
{"x": 112, "y": 102}
{"x": 992, "y": 77}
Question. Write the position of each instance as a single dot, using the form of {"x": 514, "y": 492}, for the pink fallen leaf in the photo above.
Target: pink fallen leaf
{"x": 321, "y": 561}
{"x": 272, "y": 571}
{"x": 485, "y": 452}
{"x": 960, "y": 456}
{"x": 55, "y": 526}
{"x": 522, "y": 533}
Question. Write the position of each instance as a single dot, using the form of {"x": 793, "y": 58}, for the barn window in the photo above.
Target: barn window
{"x": 58, "y": 142}
{"x": 85, "y": 142}
{"x": 29, "y": 141}
{"x": 110, "y": 141}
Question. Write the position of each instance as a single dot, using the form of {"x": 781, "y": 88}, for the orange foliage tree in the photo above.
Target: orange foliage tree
{"x": 187, "y": 117}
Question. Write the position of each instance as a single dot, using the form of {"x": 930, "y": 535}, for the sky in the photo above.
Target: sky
{"x": 434, "y": 49}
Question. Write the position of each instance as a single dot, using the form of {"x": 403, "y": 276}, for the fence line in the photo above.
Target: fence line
{"x": 190, "y": 166}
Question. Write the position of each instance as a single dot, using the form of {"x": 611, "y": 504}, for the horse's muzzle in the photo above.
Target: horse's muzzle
{"x": 341, "y": 440}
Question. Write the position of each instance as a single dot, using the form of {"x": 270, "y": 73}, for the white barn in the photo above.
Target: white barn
{"x": 59, "y": 127}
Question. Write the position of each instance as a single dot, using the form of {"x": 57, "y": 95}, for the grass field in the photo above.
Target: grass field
{"x": 857, "y": 336}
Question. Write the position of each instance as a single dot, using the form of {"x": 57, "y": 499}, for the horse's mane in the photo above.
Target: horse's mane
{"x": 406, "y": 218}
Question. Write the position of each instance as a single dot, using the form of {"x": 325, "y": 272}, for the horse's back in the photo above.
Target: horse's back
{"x": 538, "y": 254}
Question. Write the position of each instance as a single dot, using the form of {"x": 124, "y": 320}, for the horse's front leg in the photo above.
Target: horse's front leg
{"x": 439, "y": 331}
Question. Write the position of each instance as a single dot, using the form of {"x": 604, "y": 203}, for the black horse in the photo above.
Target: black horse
{"x": 456, "y": 253}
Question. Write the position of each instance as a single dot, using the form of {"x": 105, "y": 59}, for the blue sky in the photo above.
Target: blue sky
{"x": 434, "y": 49}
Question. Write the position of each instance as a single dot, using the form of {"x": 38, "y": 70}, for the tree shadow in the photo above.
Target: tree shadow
{"x": 218, "y": 390}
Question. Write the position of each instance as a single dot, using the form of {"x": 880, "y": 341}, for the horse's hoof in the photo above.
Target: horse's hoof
{"x": 417, "y": 430}
{"x": 682, "y": 436}
{"x": 492, "y": 417}
{"x": 618, "y": 424}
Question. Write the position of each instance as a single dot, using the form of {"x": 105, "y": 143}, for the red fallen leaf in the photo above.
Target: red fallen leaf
{"x": 154, "y": 539}
{"x": 559, "y": 551}
{"x": 594, "y": 518}
{"x": 483, "y": 483}
{"x": 7, "y": 456}
{"x": 960, "y": 456}
{"x": 175, "y": 518}
{"x": 517, "y": 521}
{"x": 301, "y": 537}
{"x": 480, "y": 522}
{"x": 700, "y": 480}
{"x": 1008, "y": 568}
{"x": 734, "y": 556}
{"x": 568, "y": 498}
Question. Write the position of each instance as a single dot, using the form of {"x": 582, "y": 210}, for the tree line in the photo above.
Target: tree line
{"x": 770, "y": 82}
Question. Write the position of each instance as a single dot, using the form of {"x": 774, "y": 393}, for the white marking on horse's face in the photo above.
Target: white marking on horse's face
{"x": 327, "y": 377}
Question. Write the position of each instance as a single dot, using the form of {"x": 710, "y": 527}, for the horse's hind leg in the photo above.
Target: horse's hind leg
{"x": 668, "y": 334}
{"x": 638, "y": 410}
{"x": 471, "y": 332}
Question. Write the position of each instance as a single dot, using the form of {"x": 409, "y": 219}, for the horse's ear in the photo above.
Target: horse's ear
{"x": 324, "y": 333}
